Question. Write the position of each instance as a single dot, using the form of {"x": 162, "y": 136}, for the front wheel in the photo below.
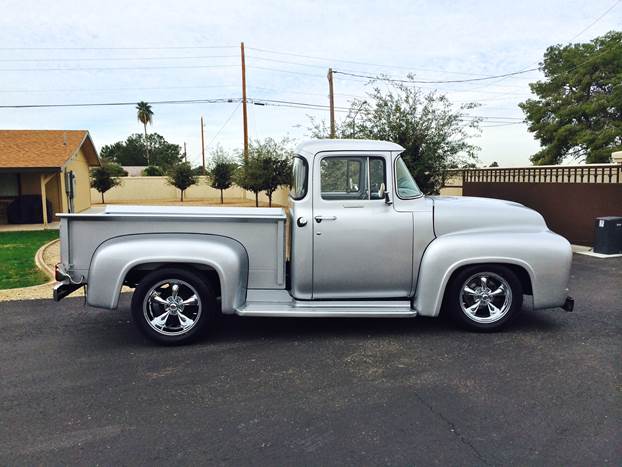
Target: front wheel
{"x": 485, "y": 297}
{"x": 172, "y": 306}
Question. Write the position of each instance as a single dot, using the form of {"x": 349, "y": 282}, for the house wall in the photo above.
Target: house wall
{"x": 80, "y": 167}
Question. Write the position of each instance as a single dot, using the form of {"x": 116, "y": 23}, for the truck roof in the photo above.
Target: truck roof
{"x": 312, "y": 147}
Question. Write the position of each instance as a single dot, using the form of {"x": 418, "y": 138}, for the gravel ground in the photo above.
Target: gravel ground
{"x": 81, "y": 386}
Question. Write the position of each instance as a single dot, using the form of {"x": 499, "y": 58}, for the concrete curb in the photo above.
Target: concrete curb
{"x": 587, "y": 251}
{"x": 41, "y": 263}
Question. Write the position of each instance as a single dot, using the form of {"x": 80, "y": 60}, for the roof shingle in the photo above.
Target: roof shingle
{"x": 43, "y": 148}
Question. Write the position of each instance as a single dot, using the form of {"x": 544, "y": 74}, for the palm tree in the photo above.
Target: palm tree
{"x": 145, "y": 115}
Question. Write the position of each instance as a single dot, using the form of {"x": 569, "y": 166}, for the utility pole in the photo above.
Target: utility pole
{"x": 244, "y": 114}
{"x": 331, "y": 96}
{"x": 185, "y": 153}
{"x": 202, "y": 144}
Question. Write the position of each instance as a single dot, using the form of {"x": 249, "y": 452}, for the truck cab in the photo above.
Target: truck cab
{"x": 352, "y": 221}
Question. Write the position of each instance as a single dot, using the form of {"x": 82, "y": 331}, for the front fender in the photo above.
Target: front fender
{"x": 545, "y": 256}
{"x": 114, "y": 258}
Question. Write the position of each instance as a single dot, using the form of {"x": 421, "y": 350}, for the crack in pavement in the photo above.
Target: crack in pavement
{"x": 453, "y": 429}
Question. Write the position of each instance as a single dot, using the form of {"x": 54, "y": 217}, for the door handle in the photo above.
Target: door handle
{"x": 319, "y": 219}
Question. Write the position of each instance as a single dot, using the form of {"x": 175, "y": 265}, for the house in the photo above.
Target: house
{"x": 50, "y": 164}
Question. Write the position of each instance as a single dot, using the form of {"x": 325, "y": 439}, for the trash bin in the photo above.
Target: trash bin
{"x": 608, "y": 235}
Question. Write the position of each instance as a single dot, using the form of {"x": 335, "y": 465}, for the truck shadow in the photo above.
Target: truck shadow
{"x": 234, "y": 328}
{"x": 117, "y": 328}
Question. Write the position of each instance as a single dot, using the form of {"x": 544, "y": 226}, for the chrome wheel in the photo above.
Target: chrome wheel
{"x": 172, "y": 307}
{"x": 485, "y": 297}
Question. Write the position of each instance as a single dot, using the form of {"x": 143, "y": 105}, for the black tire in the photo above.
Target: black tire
{"x": 458, "y": 301}
{"x": 146, "y": 310}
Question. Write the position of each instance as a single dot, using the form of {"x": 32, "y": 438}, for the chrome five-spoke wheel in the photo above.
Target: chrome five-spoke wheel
{"x": 172, "y": 307}
{"x": 485, "y": 297}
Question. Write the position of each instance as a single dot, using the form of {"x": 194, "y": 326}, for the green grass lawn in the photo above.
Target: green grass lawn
{"x": 17, "y": 258}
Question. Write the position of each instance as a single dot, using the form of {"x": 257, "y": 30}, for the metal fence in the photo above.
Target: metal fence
{"x": 568, "y": 197}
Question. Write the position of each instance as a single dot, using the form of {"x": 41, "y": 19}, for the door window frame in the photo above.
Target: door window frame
{"x": 346, "y": 156}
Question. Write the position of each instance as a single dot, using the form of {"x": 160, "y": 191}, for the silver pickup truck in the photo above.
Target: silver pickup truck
{"x": 363, "y": 241}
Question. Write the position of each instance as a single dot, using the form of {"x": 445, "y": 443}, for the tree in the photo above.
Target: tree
{"x": 494, "y": 164}
{"x": 145, "y": 115}
{"x": 181, "y": 177}
{"x": 152, "y": 171}
{"x": 221, "y": 171}
{"x": 249, "y": 175}
{"x": 276, "y": 164}
{"x": 266, "y": 168}
{"x": 435, "y": 134}
{"x": 132, "y": 151}
{"x": 105, "y": 177}
{"x": 578, "y": 110}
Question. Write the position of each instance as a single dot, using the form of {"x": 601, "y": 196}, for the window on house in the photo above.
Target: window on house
{"x": 9, "y": 185}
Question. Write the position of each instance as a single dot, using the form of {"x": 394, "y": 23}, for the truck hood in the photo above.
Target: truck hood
{"x": 453, "y": 214}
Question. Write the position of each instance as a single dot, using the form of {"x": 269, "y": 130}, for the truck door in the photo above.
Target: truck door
{"x": 362, "y": 247}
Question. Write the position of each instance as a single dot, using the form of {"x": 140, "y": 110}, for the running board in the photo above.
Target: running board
{"x": 327, "y": 309}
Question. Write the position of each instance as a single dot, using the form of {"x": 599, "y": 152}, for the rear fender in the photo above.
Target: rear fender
{"x": 114, "y": 258}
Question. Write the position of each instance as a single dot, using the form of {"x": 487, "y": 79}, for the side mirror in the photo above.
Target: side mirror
{"x": 387, "y": 198}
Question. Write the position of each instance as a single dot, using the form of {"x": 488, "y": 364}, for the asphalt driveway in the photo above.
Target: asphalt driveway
{"x": 81, "y": 386}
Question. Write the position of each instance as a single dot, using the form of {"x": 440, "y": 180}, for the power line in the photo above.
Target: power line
{"x": 225, "y": 124}
{"x": 117, "y": 89}
{"x": 414, "y": 81}
{"x": 113, "y": 104}
{"x": 596, "y": 20}
{"x": 278, "y": 70}
{"x": 255, "y": 101}
{"x": 332, "y": 60}
{"x": 125, "y": 48}
{"x": 502, "y": 124}
{"x": 118, "y": 68}
{"x": 111, "y": 59}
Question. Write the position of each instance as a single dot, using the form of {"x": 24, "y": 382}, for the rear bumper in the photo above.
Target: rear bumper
{"x": 64, "y": 286}
{"x": 62, "y": 289}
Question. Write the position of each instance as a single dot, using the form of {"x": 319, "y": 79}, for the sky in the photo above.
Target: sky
{"x": 68, "y": 52}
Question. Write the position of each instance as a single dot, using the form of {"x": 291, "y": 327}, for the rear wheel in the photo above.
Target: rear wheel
{"x": 172, "y": 306}
{"x": 485, "y": 297}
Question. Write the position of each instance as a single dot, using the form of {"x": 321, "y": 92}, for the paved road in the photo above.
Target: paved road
{"x": 82, "y": 386}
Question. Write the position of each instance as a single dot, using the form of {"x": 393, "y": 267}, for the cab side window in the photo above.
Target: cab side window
{"x": 352, "y": 178}
{"x": 343, "y": 178}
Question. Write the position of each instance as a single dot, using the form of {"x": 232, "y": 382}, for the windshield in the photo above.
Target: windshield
{"x": 406, "y": 186}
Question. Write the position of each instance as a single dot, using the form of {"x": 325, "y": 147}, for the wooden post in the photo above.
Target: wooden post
{"x": 202, "y": 145}
{"x": 244, "y": 114}
{"x": 43, "y": 200}
{"x": 331, "y": 97}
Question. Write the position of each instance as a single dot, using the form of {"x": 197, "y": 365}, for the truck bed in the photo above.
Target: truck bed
{"x": 261, "y": 231}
